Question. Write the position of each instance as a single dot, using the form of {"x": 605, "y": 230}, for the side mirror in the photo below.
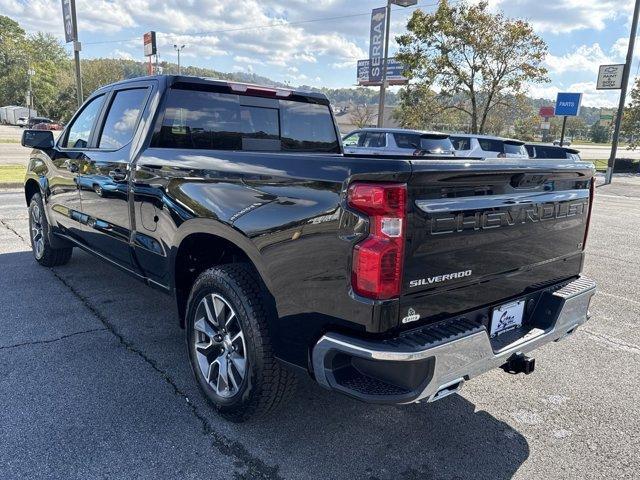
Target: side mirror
{"x": 42, "y": 139}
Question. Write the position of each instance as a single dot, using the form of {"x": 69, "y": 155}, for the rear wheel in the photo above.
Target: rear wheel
{"x": 43, "y": 252}
{"x": 229, "y": 345}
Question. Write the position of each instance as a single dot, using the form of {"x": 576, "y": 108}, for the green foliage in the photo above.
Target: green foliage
{"x": 631, "y": 119}
{"x": 599, "y": 134}
{"x": 13, "y": 62}
{"x": 477, "y": 60}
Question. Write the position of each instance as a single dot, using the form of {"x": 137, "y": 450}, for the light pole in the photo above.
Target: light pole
{"x": 383, "y": 86}
{"x": 76, "y": 53}
{"x": 30, "y": 73}
{"x": 623, "y": 94}
{"x": 178, "y": 49}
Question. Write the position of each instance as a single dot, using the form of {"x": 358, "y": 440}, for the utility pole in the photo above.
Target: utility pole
{"x": 77, "y": 47}
{"x": 383, "y": 86}
{"x": 623, "y": 94}
{"x": 179, "y": 49}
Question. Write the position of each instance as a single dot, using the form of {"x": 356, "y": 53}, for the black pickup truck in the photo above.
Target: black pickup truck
{"x": 388, "y": 279}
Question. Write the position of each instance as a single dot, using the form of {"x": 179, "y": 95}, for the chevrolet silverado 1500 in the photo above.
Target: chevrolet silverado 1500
{"x": 390, "y": 279}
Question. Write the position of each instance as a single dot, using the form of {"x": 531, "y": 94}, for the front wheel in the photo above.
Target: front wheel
{"x": 229, "y": 345}
{"x": 43, "y": 252}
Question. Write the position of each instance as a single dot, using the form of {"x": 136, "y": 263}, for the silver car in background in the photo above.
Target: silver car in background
{"x": 397, "y": 141}
{"x": 485, "y": 146}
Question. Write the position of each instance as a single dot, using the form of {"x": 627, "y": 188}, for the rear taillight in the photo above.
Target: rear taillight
{"x": 376, "y": 271}
{"x": 592, "y": 194}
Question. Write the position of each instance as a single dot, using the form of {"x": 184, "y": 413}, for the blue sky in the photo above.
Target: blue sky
{"x": 318, "y": 42}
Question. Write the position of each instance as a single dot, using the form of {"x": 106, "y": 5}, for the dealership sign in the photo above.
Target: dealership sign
{"x": 394, "y": 73}
{"x": 149, "y": 40}
{"x": 547, "y": 112}
{"x": 69, "y": 34}
{"x": 568, "y": 104}
{"x": 376, "y": 45}
{"x": 610, "y": 77}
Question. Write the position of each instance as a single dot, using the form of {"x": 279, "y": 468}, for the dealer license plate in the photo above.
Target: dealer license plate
{"x": 506, "y": 317}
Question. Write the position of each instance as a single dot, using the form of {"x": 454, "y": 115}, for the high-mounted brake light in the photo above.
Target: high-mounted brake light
{"x": 256, "y": 90}
{"x": 376, "y": 270}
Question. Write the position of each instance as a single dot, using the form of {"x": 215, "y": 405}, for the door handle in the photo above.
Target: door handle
{"x": 118, "y": 175}
{"x": 73, "y": 167}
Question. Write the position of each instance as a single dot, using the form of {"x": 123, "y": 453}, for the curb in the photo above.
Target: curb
{"x": 11, "y": 185}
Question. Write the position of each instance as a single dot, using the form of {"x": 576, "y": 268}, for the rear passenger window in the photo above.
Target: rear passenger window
{"x": 489, "y": 145}
{"x": 461, "y": 143}
{"x": 219, "y": 121}
{"x": 122, "y": 118}
{"x": 375, "y": 140}
{"x": 407, "y": 140}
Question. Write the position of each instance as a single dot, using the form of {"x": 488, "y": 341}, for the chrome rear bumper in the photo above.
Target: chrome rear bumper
{"x": 438, "y": 359}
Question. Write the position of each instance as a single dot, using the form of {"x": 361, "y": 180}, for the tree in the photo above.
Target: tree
{"x": 13, "y": 62}
{"x": 476, "y": 59}
{"x": 363, "y": 115}
{"x": 419, "y": 107}
{"x": 599, "y": 133}
{"x": 631, "y": 120}
{"x": 49, "y": 62}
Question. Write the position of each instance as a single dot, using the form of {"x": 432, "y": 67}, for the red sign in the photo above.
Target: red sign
{"x": 149, "y": 41}
{"x": 547, "y": 111}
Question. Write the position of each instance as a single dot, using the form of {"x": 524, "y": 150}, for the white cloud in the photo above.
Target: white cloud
{"x": 585, "y": 58}
{"x": 620, "y": 47}
{"x": 117, "y": 53}
{"x": 561, "y": 17}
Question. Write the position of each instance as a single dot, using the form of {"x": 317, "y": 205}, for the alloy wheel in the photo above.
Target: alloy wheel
{"x": 37, "y": 235}
{"x": 220, "y": 345}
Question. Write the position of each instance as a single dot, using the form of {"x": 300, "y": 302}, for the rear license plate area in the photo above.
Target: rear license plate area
{"x": 507, "y": 317}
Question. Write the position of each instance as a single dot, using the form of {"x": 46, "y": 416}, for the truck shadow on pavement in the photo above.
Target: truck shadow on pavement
{"x": 319, "y": 434}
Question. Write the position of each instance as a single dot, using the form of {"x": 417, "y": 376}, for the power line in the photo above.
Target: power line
{"x": 269, "y": 25}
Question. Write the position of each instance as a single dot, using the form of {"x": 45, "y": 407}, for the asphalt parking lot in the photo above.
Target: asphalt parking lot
{"x": 94, "y": 383}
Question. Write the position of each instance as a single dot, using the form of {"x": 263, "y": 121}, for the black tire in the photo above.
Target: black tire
{"x": 266, "y": 384}
{"x": 43, "y": 252}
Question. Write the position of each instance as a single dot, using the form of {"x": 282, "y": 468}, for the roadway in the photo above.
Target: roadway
{"x": 95, "y": 383}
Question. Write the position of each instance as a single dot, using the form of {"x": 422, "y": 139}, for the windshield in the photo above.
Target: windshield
{"x": 436, "y": 144}
{"x": 515, "y": 149}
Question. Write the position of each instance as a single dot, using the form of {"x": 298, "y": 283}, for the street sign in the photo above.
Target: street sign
{"x": 610, "y": 77}
{"x": 376, "y": 43}
{"x": 149, "y": 41}
{"x": 606, "y": 117}
{"x": 394, "y": 73}
{"x": 404, "y": 3}
{"x": 545, "y": 126}
{"x": 68, "y": 21}
{"x": 568, "y": 104}
{"x": 547, "y": 112}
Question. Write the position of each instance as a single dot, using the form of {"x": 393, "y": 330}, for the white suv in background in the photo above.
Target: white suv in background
{"x": 485, "y": 146}
{"x": 397, "y": 141}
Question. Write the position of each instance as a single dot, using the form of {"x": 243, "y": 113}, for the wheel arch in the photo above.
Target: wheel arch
{"x": 203, "y": 243}
{"x": 31, "y": 187}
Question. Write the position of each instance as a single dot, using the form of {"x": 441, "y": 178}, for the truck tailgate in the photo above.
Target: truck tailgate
{"x": 483, "y": 232}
